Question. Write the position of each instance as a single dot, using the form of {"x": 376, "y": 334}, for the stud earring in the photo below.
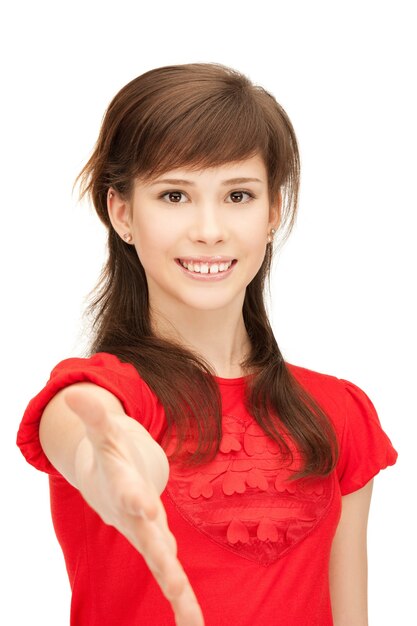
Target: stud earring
{"x": 271, "y": 235}
{"x": 127, "y": 237}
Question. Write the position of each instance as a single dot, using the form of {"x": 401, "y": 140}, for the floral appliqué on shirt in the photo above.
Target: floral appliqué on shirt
{"x": 241, "y": 499}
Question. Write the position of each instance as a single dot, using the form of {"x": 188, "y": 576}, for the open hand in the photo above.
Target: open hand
{"x": 112, "y": 468}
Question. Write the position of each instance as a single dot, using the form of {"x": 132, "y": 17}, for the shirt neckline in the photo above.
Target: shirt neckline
{"x": 240, "y": 380}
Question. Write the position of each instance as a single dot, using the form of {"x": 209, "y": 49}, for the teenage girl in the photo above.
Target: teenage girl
{"x": 197, "y": 477}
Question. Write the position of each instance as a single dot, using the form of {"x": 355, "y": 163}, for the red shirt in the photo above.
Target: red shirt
{"x": 256, "y": 549}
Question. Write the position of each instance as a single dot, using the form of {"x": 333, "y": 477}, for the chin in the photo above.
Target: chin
{"x": 209, "y": 302}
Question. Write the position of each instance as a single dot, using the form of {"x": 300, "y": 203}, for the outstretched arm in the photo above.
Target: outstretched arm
{"x": 348, "y": 561}
{"x": 120, "y": 471}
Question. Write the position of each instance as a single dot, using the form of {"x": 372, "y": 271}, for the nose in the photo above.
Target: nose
{"x": 208, "y": 226}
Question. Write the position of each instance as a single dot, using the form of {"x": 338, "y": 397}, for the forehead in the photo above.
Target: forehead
{"x": 253, "y": 169}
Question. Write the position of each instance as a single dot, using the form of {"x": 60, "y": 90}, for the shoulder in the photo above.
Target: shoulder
{"x": 103, "y": 369}
{"x": 311, "y": 377}
{"x": 322, "y": 386}
{"x": 109, "y": 371}
{"x": 100, "y": 360}
{"x": 365, "y": 448}
{"x": 339, "y": 398}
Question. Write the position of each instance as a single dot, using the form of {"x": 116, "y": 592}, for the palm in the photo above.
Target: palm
{"x": 113, "y": 479}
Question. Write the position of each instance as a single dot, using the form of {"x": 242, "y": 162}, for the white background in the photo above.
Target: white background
{"x": 343, "y": 285}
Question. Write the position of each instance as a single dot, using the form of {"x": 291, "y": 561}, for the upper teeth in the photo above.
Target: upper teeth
{"x": 206, "y": 268}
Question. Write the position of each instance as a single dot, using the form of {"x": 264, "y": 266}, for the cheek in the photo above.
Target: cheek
{"x": 152, "y": 242}
{"x": 254, "y": 234}
{"x": 256, "y": 242}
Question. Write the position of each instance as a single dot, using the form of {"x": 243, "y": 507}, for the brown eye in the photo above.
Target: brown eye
{"x": 174, "y": 196}
{"x": 237, "y": 196}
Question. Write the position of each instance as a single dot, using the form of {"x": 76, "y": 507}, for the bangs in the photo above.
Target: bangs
{"x": 200, "y": 132}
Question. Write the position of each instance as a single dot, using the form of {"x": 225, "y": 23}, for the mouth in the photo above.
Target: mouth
{"x": 206, "y": 267}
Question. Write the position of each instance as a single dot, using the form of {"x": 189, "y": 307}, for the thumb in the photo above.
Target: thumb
{"x": 92, "y": 413}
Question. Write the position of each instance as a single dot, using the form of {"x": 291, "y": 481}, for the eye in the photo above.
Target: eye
{"x": 174, "y": 197}
{"x": 237, "y": 196}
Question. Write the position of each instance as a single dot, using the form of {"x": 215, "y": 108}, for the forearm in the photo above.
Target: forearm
{"x": 63, "y": 436}
{"x": 349, "y": 592}
{"x": 348, "y": 572}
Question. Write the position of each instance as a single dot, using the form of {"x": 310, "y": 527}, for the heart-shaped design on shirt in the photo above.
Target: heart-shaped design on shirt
{"x": 243, "y": 499}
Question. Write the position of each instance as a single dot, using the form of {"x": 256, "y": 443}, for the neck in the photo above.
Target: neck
{"x": 218, "y": 336}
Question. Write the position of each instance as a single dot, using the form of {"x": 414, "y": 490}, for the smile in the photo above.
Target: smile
{"x": 206, "y": 268}
{"x": 207, "y": 271}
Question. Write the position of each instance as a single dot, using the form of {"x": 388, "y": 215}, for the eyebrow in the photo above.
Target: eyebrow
{"x": 182, "y": 181}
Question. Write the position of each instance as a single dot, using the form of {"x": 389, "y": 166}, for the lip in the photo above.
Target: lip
{"x": 207, "y": 277}
{"x": 206, "y": 259}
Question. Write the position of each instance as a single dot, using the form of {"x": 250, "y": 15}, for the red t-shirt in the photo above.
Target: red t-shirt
{"x": 256, "y": 549}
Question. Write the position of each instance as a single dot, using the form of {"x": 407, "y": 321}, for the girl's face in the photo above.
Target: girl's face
{"x": 200, "y": 235}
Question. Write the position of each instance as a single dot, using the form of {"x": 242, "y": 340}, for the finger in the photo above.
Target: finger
{"x": 159, "y": 549}
{"x": 155, "y": 546}
{"x": 159, "y": 553}
{"x": 177, "y": 589}
{"x": 186, "y": 608}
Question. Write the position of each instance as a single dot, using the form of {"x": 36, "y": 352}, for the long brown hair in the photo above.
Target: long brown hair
{"x": 200, "y": 115}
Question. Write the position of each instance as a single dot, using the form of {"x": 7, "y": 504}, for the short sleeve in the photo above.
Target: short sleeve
{"x": 365, "y": 448}
{"x": 103, "y": 369}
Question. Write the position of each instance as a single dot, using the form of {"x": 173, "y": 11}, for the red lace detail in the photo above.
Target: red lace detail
{"x": 242, "y": 499}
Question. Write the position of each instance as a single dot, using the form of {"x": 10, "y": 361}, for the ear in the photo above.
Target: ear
{"x": 119, "y": 211}
{"x": 275, "y": 213}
